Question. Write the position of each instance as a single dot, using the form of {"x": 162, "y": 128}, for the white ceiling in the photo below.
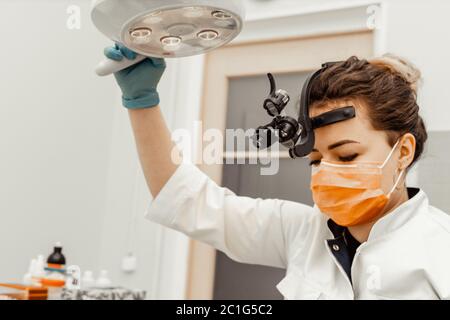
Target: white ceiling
{"x": 257, "y": 9}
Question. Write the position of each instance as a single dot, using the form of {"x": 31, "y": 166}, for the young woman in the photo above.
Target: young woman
{"x": 367, "y": 237}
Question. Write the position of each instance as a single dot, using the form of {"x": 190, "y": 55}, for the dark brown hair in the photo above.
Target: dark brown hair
{"x": 388, "y": 87}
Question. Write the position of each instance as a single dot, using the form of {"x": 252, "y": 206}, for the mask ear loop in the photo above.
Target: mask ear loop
{"x": 390, "y": 154}
{"x": 396, "y": 183}
{"x": 401, "y": 173}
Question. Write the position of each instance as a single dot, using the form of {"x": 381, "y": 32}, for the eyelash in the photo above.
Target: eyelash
{"x": 343, "y": 159}
{"x": 349, "y": 158}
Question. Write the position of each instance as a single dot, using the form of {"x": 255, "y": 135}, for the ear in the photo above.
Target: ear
{"x": 407, "y": 150}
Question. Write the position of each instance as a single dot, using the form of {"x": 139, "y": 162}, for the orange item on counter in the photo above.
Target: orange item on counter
{"x": 22, "y": 292}
{"x": 52, "y": 282}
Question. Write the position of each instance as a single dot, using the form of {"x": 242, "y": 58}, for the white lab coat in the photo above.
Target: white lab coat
{"x": 407, "y": 255}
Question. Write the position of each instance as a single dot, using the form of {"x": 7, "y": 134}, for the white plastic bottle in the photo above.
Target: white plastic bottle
{"x": 88, "y": 281}
{"x": 28, "y": 277}
{"x": 103, "y": 280}
{"x": 39, "y": 271}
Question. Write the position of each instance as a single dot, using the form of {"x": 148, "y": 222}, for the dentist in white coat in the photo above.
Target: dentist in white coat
{"x": 368, "y": 235}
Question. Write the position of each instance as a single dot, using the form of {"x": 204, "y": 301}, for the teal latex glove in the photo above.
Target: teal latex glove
{"x": 139, "y": 82}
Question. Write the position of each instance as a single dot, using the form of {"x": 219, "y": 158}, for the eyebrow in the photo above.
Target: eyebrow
{"x": 337, "y": 144}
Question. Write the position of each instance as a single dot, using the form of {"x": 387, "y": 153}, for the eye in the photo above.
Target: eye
{"x": 314, "y": 162}
{"x": 348, "y": 158}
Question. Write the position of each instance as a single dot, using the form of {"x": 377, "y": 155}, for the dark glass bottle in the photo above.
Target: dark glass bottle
{"x": 56, "y": 259}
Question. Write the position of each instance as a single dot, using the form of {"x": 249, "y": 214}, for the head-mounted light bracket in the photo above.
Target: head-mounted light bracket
{"x": 297, "y": 135}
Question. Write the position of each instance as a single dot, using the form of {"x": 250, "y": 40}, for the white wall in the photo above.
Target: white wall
{"x": 68, "y": 166}
{"x": 55, "y": 133}
{"x": 263, "y": 9}
{"x": 419, "y": 30}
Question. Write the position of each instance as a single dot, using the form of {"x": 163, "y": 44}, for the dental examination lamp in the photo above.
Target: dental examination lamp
{"x": 166, "y": 28}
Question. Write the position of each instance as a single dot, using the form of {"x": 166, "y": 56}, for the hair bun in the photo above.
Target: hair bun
{"x": 402, "y": 67}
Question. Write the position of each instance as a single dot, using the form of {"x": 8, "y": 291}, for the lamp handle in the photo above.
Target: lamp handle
{"x": 108, "y": 66}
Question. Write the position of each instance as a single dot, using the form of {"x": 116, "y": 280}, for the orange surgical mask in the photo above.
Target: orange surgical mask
{"x": 351, "y": 194}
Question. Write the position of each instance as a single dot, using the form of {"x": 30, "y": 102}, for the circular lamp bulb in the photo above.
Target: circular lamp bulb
{"x": 208, "y": 35}
{"x": 141, "y": 35}
{"x": 221, "y": 15}
{"x": 171, "y": 43}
